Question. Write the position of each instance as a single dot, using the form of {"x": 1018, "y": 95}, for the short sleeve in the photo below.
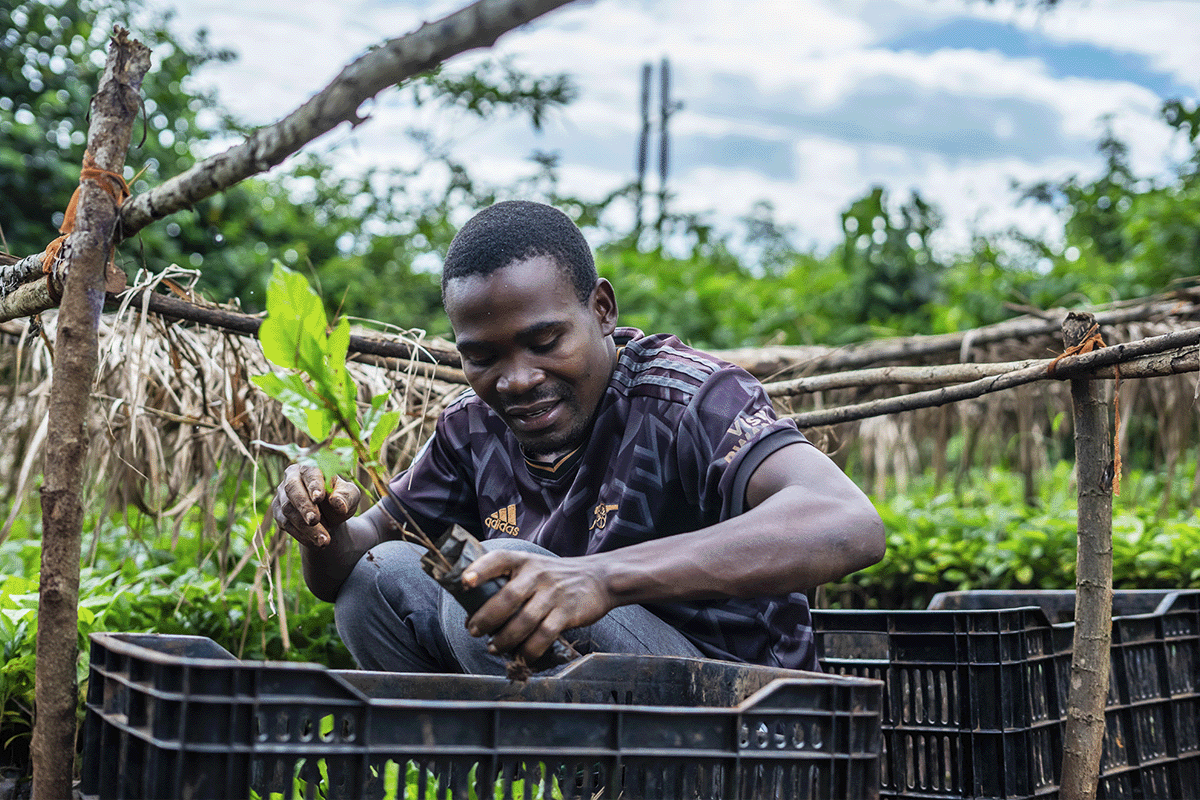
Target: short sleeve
{"x": 727, "y": 431}
{"x": 437, "y": 489}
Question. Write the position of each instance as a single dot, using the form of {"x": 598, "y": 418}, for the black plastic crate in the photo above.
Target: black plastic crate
{"x": 975, "y": 698}
{"x": 1058, "y": 604}
{"x": 178, "y": 716}
{"x": 969, "y": 696}
{"x": 1151, "y": 742}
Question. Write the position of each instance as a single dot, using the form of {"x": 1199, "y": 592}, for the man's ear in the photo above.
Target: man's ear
{"x": 603, "y": 303}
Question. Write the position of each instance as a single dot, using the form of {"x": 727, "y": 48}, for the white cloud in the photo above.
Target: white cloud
{"x": 808, "y": 80}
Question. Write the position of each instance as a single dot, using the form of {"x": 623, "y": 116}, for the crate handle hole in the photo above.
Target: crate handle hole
{"x": 282, "y": 723}
{"x": 798, "y": 736}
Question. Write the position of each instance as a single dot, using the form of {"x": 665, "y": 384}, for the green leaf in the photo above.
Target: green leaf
{"x": 330, "y": 460}
{"x": 338, "y": 345}
{"x": 293, "y": 334}
{"x": 302, "y": 405}
{"x": 384, "y": 425}
{"x": 318, "y": 423}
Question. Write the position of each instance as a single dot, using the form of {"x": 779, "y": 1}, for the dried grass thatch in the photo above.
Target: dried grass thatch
{"x": 176, "y": 415}
{"x": 1024, "y": 427}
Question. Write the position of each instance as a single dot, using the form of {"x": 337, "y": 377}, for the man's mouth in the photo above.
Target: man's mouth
{"x": 534, "y": 416}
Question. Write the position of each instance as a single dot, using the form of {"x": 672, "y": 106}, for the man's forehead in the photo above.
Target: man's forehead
{"x": 537, "y": 275}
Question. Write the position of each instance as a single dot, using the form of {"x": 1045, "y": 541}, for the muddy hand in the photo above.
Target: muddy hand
{"x": 304, "y": 509}
{"x": 543, "y": 597}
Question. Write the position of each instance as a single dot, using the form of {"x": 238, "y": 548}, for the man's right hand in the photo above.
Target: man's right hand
{"x": 303, "y": 508}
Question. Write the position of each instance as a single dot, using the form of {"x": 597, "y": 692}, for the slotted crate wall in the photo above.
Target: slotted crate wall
{"x": 975, "y": 697}
{"x": 178, "y": 716}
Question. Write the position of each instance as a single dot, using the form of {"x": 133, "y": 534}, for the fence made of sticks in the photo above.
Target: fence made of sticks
{"x": 173, "y": 402}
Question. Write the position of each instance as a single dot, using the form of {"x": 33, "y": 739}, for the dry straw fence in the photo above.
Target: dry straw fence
{"x": 173, "y": 405}
{"x": 145, "y": 411}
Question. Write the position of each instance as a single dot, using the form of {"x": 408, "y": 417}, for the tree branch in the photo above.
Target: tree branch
{"x": 248, "y": 325}
{"x": 16, "y": 271}
{"x": 1078, "y": 366}
{"x": 477, "y": 25}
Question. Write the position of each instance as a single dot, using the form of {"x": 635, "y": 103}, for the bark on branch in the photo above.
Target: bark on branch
{"x": 248, "y": 324}
{"x": 85, "y": 253}
{"x": 477, "y": 25}
{"x": 809, "y": 360}
{"x": 23, "y": 294}
{"x": 1069, "y": 367}
{"x": 1083, "y": 737}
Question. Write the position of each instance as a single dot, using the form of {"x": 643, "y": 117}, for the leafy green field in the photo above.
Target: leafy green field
{"x": 146, "y": 576}
{"x": 986, "y": 537}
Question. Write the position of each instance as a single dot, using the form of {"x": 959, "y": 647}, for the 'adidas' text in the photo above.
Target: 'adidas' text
{"x": 504, "y": 521}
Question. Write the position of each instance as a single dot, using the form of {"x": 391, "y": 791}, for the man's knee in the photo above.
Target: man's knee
{"x": 515, "y": 544}
{"x": 386, "y": 583}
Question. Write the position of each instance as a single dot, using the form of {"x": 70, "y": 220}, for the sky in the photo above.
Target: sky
{"x": 805, "y": 104}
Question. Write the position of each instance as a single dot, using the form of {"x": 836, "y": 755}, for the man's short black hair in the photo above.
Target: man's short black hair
{"x": 516, "y": 230}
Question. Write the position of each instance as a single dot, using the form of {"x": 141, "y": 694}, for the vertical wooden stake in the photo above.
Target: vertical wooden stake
{"x": 86, "y": 252}
{"x": 1083, "y": 739}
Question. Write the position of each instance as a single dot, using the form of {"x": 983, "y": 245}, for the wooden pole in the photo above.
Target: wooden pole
{"x": 1083, "y": 738}
{"x": 86, "y": 252}
{"x": 643, "y": 154}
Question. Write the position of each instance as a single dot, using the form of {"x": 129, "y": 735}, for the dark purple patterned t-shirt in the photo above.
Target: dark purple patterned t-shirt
{"x": 676, "y": 437}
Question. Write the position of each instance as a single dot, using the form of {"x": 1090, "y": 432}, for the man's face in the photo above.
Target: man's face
{"x": 535, "y": 354}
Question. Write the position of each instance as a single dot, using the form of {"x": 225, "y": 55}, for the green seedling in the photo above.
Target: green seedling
{"x": 318, "y": 394}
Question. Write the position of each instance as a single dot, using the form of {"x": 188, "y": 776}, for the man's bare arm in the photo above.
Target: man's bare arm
{"x": 806, "y": 524}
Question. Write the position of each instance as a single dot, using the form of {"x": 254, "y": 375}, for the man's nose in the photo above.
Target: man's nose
{"x": 519, "y": 377}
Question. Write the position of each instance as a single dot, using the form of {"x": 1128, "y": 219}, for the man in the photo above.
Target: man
{"x": 639, "y": 495}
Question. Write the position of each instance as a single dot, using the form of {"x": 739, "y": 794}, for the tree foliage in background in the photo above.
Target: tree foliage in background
{"x": 361, "y": 235}
{"x": 371, "y": 240}
{"x": 51, "y": 57}
{"x": 1125, "y": 235}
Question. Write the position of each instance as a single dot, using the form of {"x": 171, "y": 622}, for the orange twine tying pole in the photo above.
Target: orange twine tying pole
{"x": 1093, "y": 341}
{"x": 110, "y": 182}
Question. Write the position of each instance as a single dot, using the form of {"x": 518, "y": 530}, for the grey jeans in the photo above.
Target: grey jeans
{"x": 394, "y": 617}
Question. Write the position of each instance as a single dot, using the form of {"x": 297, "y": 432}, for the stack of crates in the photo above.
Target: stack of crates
{"x": 976, "y": 693}
{"x": 178, "y": 716}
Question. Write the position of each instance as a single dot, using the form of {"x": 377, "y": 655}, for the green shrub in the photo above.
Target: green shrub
{"x": 987, "y": 537}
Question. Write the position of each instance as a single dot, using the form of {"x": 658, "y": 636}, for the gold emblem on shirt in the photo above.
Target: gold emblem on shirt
{"x": 601, "y": 518}
{"x": 504, "y": 521}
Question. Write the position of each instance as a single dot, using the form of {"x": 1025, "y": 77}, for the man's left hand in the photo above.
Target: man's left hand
{"x": 544, "y": 596}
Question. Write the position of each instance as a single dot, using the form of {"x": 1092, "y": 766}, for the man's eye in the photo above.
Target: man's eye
{"x": 478, "y": 361}
{"x": 546, "y": 346}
